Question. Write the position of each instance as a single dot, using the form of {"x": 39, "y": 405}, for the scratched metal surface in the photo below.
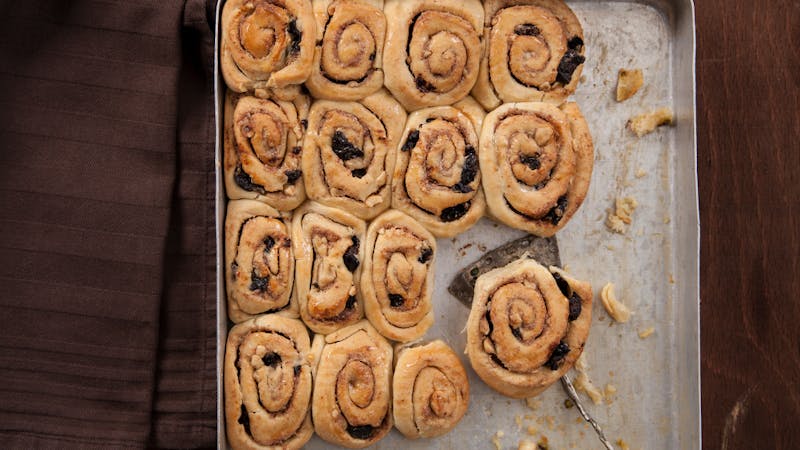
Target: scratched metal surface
{"x": 654, "y": 265}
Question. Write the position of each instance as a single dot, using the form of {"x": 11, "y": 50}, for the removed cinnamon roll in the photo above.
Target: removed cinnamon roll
{"x": 329, "y": 250}
{"x": 267, "y": 46}
{"x": 437, "y": 180}
{"x": 349, "y": 53}
{"x": 349, "y": 153}
{"x": 439, "y": 42}
{"x": 397, "y": 284}
{"x": 527, "y": 326}
{"x": 259, "y": 262}
{"x": 430, "y": 390}
{"x": 268, "y": 382}
{"x": 263, "y": 144}
{"x": 536, "y": 161}
{"x": 352, "y": 401}
{"x": 533, "y": 51}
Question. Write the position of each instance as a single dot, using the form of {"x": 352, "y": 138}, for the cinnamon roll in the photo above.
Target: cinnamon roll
{"x": 267, "y": 46}
{"x": 437, "y": 180}
{"x": 527, "y": 326}
{"x": 263, "y": 144}
{"x": 533, "y": 51}
{"x": 536, "y": 161}
{"x": 329, "y": 250}
{"x": 268, "y": 382}
{"x": 349, "y": 54}
{"x": 439, "y": 41}
{"x": 430, "y": 390}
{"x": 349, "y": 153}
{"x": 259, "y": 262}
{"x": 352, "y": 401}
{"x": 397, "y": 283}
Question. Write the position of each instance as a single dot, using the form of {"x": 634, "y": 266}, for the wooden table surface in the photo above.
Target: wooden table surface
{"x": 748, "y": 75}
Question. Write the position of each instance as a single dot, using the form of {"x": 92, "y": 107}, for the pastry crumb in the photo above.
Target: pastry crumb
{"x": 671, "y": 279}
{"x": 526, "y": 445}
{"x": 582, "y": 382}
{"x": 518, "y": 420}
{"x": 646, "y": 333}
{"x": 621, "y": 216}
{"x": 532, "y": 430}
{"x": 532, "y": 403}
{"x": 496, "y": 439}
{"x": 628, "y": 83}
{"x": 543, "y": 444}
{"x": 646, "y": 123}
{"x": 640, "y": 173}
{"x": 622, "y": 444}
{"x": 616, "y": 309}
{"x": 609, "y": 392}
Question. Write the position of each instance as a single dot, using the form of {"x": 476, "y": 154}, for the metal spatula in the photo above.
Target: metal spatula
{"x": 545, "y": 251}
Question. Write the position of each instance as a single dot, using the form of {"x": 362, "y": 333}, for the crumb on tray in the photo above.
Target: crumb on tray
{"x": 621, "y": 215}
{"x": 609, "y": 392}
{"x": 628, "y": 83}
{"x": 622, "y": 444}
{"x": 582, "y": 382}
{"x": 532, "y": 403}
{"x": 646, "y": 333}
{"x": 640, "y": 173}
{"x": 526, "y": 445}
{"x": 496, "y": 439}
{"x": 616, "y": 309}
{"x": 645, "y": 123}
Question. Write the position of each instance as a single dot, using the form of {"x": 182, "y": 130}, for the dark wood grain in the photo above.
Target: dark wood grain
{"x": 748, "y": 73}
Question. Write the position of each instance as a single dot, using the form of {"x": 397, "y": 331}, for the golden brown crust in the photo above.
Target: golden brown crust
{"x": 263, "y": 144}
{"x": 430, "y": 390}
{"x": 533, "y": 50}
{"x": 329, "y": 250}
{"x": 439, "y": 41}
{"x": 522, "y": 332}
{"x": 397, "y": 285}
{"x": 268, "y": 382}
{"x": 348, "y": 57}
{"x": 349, "y": 153}
{"x": 352, "y": 401}
{"x": 259, "y": 262}
{"x": 537, "y": 162}
{"x": 267, "y": 46}
{"x": 437, "y": 180}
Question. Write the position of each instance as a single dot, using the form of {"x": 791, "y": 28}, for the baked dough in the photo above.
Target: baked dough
{"x": 430, "y": 390}
{"x": 349, "y": 153}
{"x": 439, "y": 42}
{"x": 348, "y": 57}
{"x": 536, "y": 163}
{"x": 259, "y": 262}
{"x": 533, "y": 51}
{"x": 268, "y": 381}
{"x": 397, "y": 284}
{"x": 352, "y": 401}
{"x": 437, "y": 180}
{"x": 262, "y": 142}
{"x": 527, "y": 326}
{"x": 267, "y": 46}
{"x": 329, "y": 250}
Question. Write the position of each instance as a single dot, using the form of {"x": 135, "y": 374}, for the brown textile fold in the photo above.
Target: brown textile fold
{"x": 107, "y": 332}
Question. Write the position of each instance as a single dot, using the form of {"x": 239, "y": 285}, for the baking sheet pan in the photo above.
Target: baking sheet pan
{"x": 654, "y": 265}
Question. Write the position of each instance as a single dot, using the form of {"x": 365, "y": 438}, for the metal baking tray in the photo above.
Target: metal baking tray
{"x": 654, "y": 265}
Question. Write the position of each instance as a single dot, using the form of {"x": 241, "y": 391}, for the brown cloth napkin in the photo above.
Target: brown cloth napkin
{"x": 107, "y": 251}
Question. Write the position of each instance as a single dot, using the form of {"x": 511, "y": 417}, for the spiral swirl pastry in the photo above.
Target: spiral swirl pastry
{"x": 430, "y": 390}
{"x": 259, "y": 262}
{"x": 349, "y": 153}
{"x": 533, "y": 51}
{"x": 397, "y": 283}
{"x": 437, "y": 178}
{"x": 439, "y": 41}
{"x": 349, "y": 56}
{"x": 263, "y": 144}
{"x": 267, "y": 46}
{"x": 527, "y": 326}
{"x": 536, "y": 160}
{"x": 352, "y": 402}
{"x": 329, "y": 249}
{"x": 268, "y": 382}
